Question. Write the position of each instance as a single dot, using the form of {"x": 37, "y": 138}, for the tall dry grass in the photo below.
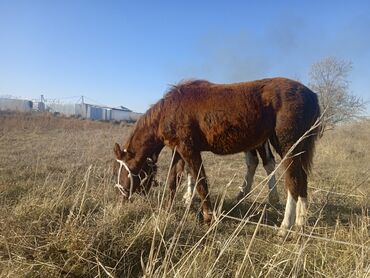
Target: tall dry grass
{"x": 61, "y": 216}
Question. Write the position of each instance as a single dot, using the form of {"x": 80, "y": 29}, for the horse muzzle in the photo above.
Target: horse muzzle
{"x": 124, "y": 192}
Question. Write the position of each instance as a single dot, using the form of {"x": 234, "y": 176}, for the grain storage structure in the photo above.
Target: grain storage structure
{"x": 83, "y": 110}
{"x": 96, "y": 112}
{"x": 20, "y": 105}
{"x": 66, "y": 109}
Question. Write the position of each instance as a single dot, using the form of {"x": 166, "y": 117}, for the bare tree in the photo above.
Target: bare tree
{"x": 329, "y": 79}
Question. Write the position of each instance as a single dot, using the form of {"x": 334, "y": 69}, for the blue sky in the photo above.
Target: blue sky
{"x": 128, "y": 52}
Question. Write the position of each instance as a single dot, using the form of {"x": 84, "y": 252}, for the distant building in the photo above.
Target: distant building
{"x": 84, "y": 110}
{"x": 38, "y": 106}
{"x": 9, "y": 104}
{"x": 66, "y": 109}
{"x": 96, "y": 112}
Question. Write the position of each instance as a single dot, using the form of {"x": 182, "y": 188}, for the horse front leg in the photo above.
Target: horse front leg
{"x": 196, "y": 169}
{"x": 268, "y": 161}
{"x": 176, "y": 170}
{"x": 251, "y": 159}
{"x": 188, "y": 196}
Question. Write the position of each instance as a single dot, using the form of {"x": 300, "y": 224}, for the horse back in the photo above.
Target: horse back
{"x": 229, "y": 118}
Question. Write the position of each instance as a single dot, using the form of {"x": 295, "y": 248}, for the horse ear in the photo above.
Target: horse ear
{"x": 128, "y": 153}
{"x": 117, "y": 151}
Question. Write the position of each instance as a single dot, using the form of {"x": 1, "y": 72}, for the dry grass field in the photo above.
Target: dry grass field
{"x": 60, "y": 215}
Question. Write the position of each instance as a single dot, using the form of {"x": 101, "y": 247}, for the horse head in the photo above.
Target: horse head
{"x": 132, "y": 175}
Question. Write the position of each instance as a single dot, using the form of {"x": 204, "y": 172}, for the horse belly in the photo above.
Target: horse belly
{"x": 233, "y": 137}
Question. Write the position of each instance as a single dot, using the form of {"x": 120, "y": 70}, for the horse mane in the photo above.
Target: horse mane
{"x": 153, "y": 113}
{"x": 183, "y": 85}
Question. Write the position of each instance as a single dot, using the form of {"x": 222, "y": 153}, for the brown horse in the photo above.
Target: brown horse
{"x": 196, "y": 116}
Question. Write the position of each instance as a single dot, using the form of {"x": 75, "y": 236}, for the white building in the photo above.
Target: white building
{"x": 9, "y": 104}
{"x": 84, "y": 110}
{"x": 95, "y": 112}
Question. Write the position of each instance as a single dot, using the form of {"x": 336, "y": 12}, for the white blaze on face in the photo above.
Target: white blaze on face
{"x": 129, "y": 175}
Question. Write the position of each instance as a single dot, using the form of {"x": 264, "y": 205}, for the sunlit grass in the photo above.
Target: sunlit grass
{"x": 61, "y": 216}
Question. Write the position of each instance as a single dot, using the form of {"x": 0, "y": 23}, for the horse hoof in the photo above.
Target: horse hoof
{"x": 300, "y": 229}
{"x": 187, "y": 199}
{"x": 240, "y": 196}
{"x": 274, "y": 200}
{"x": 208, "y": 218}
{"x": 199, "y": 217}
{"x": 283, "y": 232}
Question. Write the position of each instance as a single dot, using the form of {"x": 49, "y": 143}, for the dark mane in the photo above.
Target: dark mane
{"x": 181, "y": 87}
{"x": 152, "y": 114}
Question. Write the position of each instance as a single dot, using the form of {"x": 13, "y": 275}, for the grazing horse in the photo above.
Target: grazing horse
{"x": 251, "y": 159}
{"x": 196, "y": 116}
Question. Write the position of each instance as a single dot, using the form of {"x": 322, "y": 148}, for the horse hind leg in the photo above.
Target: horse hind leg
{"x": 251, "y": 159}
{"x": 296, "y": 205}
{"x": 302, "y": 204}
{"x": 268, "y": 161}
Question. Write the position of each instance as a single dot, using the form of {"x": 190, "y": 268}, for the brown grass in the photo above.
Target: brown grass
{"x": 61, "y": 216}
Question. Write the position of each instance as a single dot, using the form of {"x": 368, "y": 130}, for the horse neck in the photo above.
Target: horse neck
{"x": 143, "y": 143}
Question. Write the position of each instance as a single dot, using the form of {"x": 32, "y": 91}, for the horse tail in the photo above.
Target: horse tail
{"x": 308, "y": 151}
{"x": 306, "y": 148}
{"x": 308, "y": 144}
